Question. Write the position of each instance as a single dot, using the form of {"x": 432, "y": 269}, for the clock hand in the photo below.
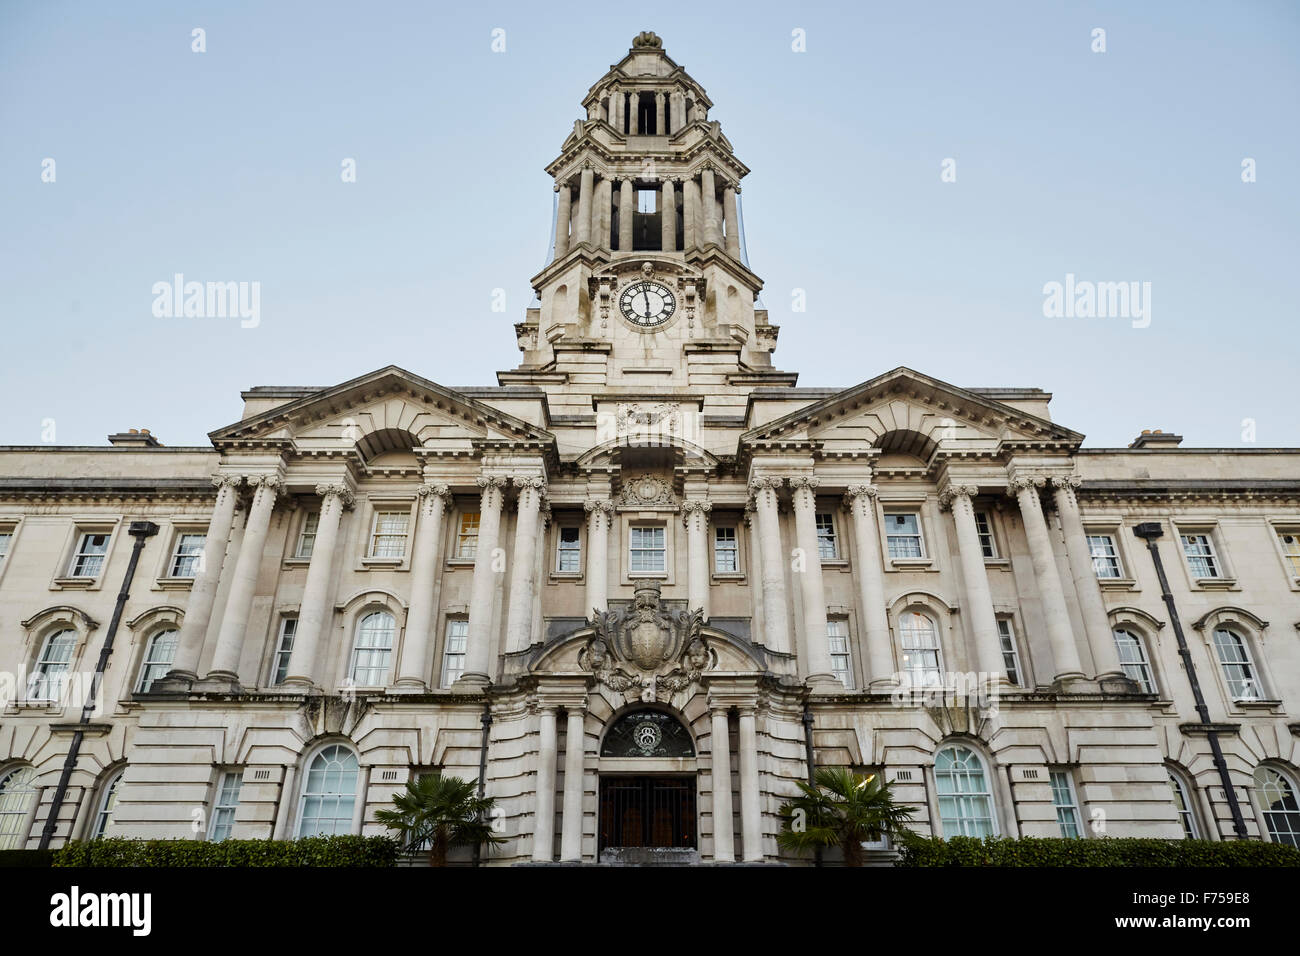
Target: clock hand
{"x": 645, "y": 294}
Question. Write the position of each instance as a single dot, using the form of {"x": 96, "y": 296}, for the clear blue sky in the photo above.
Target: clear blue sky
{"x": 1124, "y": 165}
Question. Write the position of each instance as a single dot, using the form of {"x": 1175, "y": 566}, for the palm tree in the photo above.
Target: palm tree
{"x": 841, "y": 808}
{"x": 440, "y": 812}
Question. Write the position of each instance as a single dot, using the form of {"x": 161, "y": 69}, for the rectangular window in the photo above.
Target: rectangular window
{"x": 568, "y": 555}
{"x": 307, "y": 536}
{"x": 88, "y": 560}
{"x": 388, "y": 537}
{"x": 187, "y": 555}
{"x": 837, "y": 634}
{"x": 1010, "y": 655}
{"x": 726, "y": 557}
{"x": 1201, "y": 558}
{"x": 6, "y": 539}
{"x": 1067, "y": 807}
{"x": 903, "y": 532}
{"x": 283, "y": 649}
{"x": 453, "y": 654}
{"x": 1290, "y": 541}
{"x": 227, "y": 802}
{"x": 1105, "y": 556}
{"x": 988, "y": 547}
{"x": 827, "y": 549}
{"x": 649, "y": 551}
{"x": 467, "y": 536}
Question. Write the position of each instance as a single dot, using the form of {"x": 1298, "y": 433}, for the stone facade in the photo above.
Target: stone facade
{"x": 645, "y": 515}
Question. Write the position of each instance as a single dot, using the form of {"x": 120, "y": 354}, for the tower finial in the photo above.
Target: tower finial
{"x": 647, "y": 40}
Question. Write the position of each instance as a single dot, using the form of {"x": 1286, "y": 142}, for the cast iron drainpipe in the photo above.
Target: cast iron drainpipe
{"x": 140, "y": 530}
{"x": 486, "y": 720}
{"x": 812, "y": 770}
{"x": 1149, "y": 531}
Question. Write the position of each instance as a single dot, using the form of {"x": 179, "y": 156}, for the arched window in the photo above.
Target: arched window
{"x": 647, "y": 733}
{"x": 373, "y": 647}
{"x": 922, "y": 659}
{"x": 965, "y": 800}
{"x": 1183, "y": 803}
{"x": 51, "y": 670}
{"x": 1133, "y": 658}
{"x": 17, "y": 799}
{"x": 1277, "y": 799}
{"x": 329, "y": 793}
{"x": 104, "y": 811}
{"x": 158, "y": 657}
{"x": 1238, "y": 667}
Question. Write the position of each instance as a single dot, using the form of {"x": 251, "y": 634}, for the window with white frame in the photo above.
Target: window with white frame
{"x": 1290, "y": 542}
{"x": 1010, "y": 653}
{"x": 307, "y": 535}
{"x": 6, "y": 540}
{"x": 1105, "y": 556}
{"x": 104, "y": 809}
{"x": 453, "y": 651}
{"x": 388, "y": 534}
{"x": 648, "y": 550}
{"x": 52, "y": 664}
{"x": 1182, "y": 793}
{"x": 903, "y": 535}
{"x": 726, "y": 552}
{"x": 372, "y": 649}
{"x": 225, "y": 805}
{"x": 187, "y": 555}
{"x": 283, "y": 650}
{"x": 1276, "y": 793}
{"x": 965, "y": 800}
{"x": 984, "y": 528}
{"x": 828, "y": 548}
{"x": 1133, "y": 658}
{"x": 837, "y": 635}
{"x": 159, "y": 654}
{"x": 17, "y": 801}
{"x": 568, "y": 550}
{"x": 1066, "y": 804}
{"x": 1238, "y": 667}
{"x": 329, "y": 793}
{"x": 1201, "y": 559}
{"x": 922, "y": 661}
{"x": 88, "y": 558}
{"x": 467, "y": 535}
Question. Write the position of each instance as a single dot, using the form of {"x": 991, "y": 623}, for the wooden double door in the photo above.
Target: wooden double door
{"x": 647, "y": 811}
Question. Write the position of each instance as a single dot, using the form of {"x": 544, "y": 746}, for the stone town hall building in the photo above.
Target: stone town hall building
{"x": 642, "y": 576}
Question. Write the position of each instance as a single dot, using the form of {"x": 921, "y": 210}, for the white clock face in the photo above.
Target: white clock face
{"x": 647, "y": 303}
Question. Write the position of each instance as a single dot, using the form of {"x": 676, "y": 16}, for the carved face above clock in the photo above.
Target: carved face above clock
{"x": 647, "y": 303}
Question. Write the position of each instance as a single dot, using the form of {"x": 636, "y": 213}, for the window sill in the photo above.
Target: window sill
{"x": 1117, "y": 584}
{"x": 296, "y": 562}
{"x": 911, "y": 564}
{"x": 728, "y": 575}
{"x": 838, "y": 564}
{"x": 1215, "y": 584}
{"x": 1260, "y": 705}
{"x": 1004, "y": 563}
{"x": 383, "y": 562}
{"x": 175, "y": 584}
{"x": 568, "y": 576}
{"x": 647, "y": 575}
{"x": 460, "y": 562}
{"x": 60, "y": 583}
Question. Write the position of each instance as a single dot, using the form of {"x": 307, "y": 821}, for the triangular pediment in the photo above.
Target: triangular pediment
{"x": 906, "y": 414}
{"x": 388, "y": 410}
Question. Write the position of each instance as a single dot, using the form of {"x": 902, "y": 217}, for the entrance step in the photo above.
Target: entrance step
{"x": 649, "y": 856}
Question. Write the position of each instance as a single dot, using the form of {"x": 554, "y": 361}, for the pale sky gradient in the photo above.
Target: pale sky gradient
{"x": 225, "y": 166}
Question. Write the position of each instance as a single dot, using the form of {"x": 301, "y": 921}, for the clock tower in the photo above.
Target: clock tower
{"x": 647, "y": 288}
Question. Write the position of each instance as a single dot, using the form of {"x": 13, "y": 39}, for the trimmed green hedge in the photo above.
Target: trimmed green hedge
{"x": 1037, "y": 851}
{"x": 26, "y": 858}
{"x": 309, "y": 851}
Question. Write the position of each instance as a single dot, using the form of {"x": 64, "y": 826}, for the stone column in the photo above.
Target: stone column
{"x": 585, "y": 182}
{"x": 413, "y": 668}
{"x": 979, "y": 599}
{"x": 881, "y": 672}
{"x": 316, "y": 612}
{"x": 478, "y": 652}
{"x": 690, "y": 213}
{"x": 599, "y": 512}
{"x": 755, "y": 571}
{"x": 776, "y": 623}
{"x": 695, "y": 516}
{"x": 816, "y": 650}
{"x": 660, "y": 128}
{"x": 575, "y": 752}
{"x": 600, "y": 214}
{"x": 203, "y": 592}
{"x": 519, "y": 620}
{"x": 751, "y": 820}
{"x": 616, "y": 110}
{"x": 562, "y": 216}
{"x": 668, "y": 216}
{"x": 239, "y": 602}
{"x": 1105, "y": 658}
{"x": 626, "y": 208}
{"x": 724, "y": 841}
{"x": 733, "y": 220}
{"x": 708, "y": 209}
{"x": 1050, "y": 593}
{"x": 544, "y": 814}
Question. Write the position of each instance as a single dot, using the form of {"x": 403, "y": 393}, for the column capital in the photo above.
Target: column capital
{"x": 536, "y": 482}
{"x": 853, "y": 492}
{"x": 761, "y": 483}
{"x": 487, "y": 482}
{"x": 227, "y": 481}
{"x": 950, "y": 493}
{"x": 800, "y": 482}
{"x": 693, "y": 507}
{"x": 603, "y": 505}
{"x": 435, "y": 489}
{"x": 1020, "y": 483}
{"x": 338, "y": 490}
{"x": 1066, "y": 481}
